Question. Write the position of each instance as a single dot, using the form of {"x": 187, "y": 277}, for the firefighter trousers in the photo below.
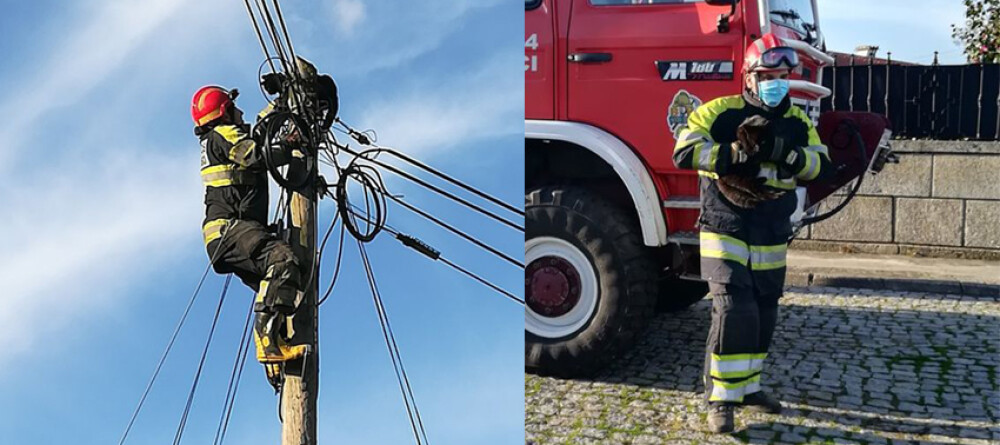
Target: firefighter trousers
{"x": 745, "y": 276}
{"x": 262, "y": 261}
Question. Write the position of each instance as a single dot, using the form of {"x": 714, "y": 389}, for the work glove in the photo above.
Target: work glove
{"x": 792, "y": 163}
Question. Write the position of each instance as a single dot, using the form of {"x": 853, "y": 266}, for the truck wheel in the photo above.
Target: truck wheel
{"x": 590, "y": 283}
{"x": 677, "y": 294}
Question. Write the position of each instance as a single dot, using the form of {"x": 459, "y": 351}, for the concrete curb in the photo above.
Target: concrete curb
{"x": 806, "y": 279}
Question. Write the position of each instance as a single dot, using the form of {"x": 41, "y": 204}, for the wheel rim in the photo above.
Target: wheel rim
{"x": 560, "y": 288}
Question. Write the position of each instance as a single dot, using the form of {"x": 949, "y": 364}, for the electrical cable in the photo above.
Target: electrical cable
{"x": 857, "y": 184}
{"x": 319, "y": 254}
{"x": 336, "y": 268}
{"x": 201, "y": 363}
{"x": 440, "y": 174}
{"x": 234, "y": 380}
{"x": 260, "y": 37}
{"x": 265, "y": 15}
{"x": 436, "y": 189}
{"x": 173, "y": 338}
{"x": 456, "y": 231}
{"x": 379, "y": 187}
{"x": 281, "y": 21}
{"x": 260, "y": 75}
{"x": 371, "y": 184}
{"x": 481, "y": 280}
{"x": 283, "y": 125}
{"x": 398, "y": 234}
{"x": 397, "y": 360}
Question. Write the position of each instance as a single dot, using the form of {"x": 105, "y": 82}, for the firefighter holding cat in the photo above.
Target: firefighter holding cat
{"x": 745, "y": 230}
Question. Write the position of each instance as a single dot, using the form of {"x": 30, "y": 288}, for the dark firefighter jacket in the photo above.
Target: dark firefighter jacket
{"x": 704, "y": 145}
{"x": 235, "y": 177}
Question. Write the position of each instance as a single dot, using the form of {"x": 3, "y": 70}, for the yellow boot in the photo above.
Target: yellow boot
{"x": 271, "y": 348}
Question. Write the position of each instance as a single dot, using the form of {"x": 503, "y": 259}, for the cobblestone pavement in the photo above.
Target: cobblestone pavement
{"x": 851, "y": 367}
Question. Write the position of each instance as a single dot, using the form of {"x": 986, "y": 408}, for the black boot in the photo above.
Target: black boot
{"x": 720, "y": 418}
{"x": 761, "y": 402}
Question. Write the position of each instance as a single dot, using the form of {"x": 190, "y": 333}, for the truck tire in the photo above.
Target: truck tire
{"x": 677, "y": 294}
{"x": 590, "y": 283}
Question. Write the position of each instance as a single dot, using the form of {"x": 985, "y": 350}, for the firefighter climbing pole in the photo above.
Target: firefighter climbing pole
{"x": 299, "y": 126}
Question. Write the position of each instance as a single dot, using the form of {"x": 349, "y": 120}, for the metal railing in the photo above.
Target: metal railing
{"x": 947, "y": 102}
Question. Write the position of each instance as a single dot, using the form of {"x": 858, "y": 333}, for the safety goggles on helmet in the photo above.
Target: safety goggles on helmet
{"x": 778, "y": 58}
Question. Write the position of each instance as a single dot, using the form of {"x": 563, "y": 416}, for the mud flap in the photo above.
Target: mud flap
{"x": 848, "y": 160}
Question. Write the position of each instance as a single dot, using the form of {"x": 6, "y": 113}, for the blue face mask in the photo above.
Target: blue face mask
{"x": 772, "y": 92}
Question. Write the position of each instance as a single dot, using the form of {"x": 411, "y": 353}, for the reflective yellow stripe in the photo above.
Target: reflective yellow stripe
{"x": 738, "y": 357}
{"x": 225, "y": 174}
{"x": 705, "y": 156}
{"x": 210, "y": 116}
{"x": 736, "y": 366}
{"x": 708, "y": 174}
{"x": 263, "y": 291}
{"x": 769, "y": 172}
{"x": 267, "y": 110}
{"x": 768, "y": 257}
{"x": 231, "y": 133}
{"x": 212, "y": 230}
{"x": 734, "y": 392}
{"x": 714, "y": 245}
{"x": 241, "y": 151}
{"x": 687, "y": 136}
{"x": 811, "y": 168}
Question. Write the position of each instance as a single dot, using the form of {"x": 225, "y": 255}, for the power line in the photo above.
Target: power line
{"x": 397, "y": 360}
{"x": 201, "y": 364}
{"x": 372, "y": 184}
{"x": 336, "y": 268}
{"x": 456, "y": 231}
{"x": 173, "y": 337}
{"x": 260, "y": 37}
{"x": 234, "y": 379}
{"x": 435, "y": 189}
{"x": 391, "y": 230}
{"x": 440, "y": 174}
{"x": 481, "y": 280}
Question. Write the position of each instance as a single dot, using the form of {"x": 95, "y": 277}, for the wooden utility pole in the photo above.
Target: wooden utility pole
{"x": 301, "y": 387}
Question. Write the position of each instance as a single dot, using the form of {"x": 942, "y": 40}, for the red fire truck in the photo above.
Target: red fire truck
{"x": 610, "y": 230}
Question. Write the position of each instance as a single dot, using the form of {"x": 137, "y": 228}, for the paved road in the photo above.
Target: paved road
{"x": 852, "y": 367}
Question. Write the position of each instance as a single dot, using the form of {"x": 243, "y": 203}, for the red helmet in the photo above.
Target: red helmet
{"x": 769, "y": 53}
{"x": 210, "y": 103}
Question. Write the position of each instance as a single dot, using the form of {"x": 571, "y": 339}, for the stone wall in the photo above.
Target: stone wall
{"x": 942, "y": 199}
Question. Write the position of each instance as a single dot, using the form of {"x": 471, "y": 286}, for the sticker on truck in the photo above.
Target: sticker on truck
{"x": 671, "y": 70}
{"x": 681, "y": 107}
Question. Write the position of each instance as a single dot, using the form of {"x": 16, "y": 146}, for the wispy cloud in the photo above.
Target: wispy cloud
{"x": 83, "y": 59}
{"x": 348, "y": 15}
{"x": 81, "y": 237}
{"x": 387, "y": 39}
{"x": 91, "y": 218}
{"x": 429, "y": 119}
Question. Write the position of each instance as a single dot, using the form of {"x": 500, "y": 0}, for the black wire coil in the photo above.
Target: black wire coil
{"x": 273, "y": 130}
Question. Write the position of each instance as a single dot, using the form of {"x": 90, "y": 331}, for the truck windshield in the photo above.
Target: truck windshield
{"x": 795, "y": 14}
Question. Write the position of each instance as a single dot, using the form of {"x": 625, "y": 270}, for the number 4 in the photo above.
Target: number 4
{"x": 532, "y": 42}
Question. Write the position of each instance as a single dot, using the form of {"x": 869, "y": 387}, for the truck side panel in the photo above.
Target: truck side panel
{"x": 539, "y": 61}
{"x": 662, "y": 62}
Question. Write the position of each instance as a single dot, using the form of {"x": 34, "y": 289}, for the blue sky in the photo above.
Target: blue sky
{"x": 911, "y": 29}
{"x": 103, "y": 203}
